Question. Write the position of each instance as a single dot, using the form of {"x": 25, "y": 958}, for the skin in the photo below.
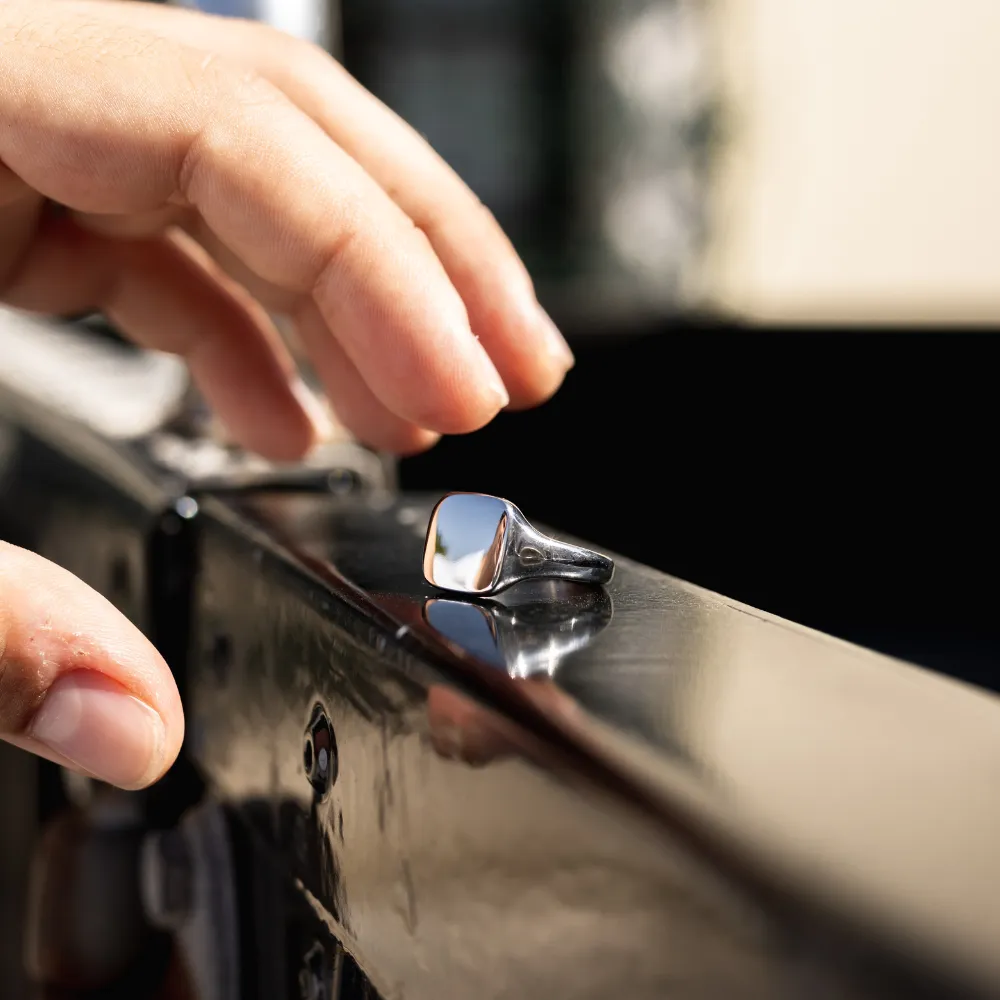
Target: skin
{"x": 190, "y": 177}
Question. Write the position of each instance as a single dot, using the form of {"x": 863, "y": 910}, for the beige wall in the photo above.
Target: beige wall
{"x": 862, "y": 173}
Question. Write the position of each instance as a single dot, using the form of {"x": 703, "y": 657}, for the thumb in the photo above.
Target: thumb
{"x": 79, "y": 684}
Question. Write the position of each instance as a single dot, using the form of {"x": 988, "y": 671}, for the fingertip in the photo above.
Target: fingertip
{"x": 352, "y": 400}
{"x": 528, "y": 348}
{"x": 398, "y": 438}
{"x": 557, "y": 347}
{"x": 537, "y": 394}
{"x": 455, "y": 418}
{"x": 100, "y": 727}
{"x": 286, "y": 430}
{"x": 317, "y": 414}
{"x": 416, "y": 442}
{"x": 466, "y": 400}
{"x": 79, "y": 683}
{"x": 286, "y": 444}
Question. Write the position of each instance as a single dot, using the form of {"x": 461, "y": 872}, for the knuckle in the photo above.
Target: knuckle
{"x": 228, "y": 95}
{"x": 348, "y": 228}
{"x": 250, "y": 90}
{"x": 420, "y": 235}
{"x": 348, "y": 234}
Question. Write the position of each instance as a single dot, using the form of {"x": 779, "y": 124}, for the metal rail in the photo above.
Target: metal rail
{"x": 645, "y": 790}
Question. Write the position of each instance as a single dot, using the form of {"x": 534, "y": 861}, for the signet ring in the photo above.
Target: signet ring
{"x": 480, "y": 544}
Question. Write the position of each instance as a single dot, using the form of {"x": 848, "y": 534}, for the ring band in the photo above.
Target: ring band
{"x": 480, "y": 544}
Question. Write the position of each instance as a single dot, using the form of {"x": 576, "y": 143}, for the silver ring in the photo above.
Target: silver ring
{"x": 479, "y": 544}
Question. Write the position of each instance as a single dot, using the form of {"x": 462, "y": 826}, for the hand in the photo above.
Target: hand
{"x": 209, "y": 172}
{"x": 213, "y": 167}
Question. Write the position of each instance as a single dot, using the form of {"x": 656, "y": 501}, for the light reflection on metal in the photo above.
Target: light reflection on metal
{"x": 526, "y": 635}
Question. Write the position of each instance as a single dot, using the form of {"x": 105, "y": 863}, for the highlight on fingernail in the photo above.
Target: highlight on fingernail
{"x": 493, "y": 381}
{"x": 94, "y": 723}
{"x": 555, "y": 343}
{"x": 323, "y": 425}
{"x": 500, "y": 391}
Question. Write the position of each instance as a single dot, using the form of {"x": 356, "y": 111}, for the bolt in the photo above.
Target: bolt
{"x": 167, "y": 875}
{"x": 341, "y": 481}
{"x": 319, "y": 752}
{"x": 186, "y": 507}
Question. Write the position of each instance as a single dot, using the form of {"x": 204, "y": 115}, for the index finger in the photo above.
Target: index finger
{"x": 112, "y": 120}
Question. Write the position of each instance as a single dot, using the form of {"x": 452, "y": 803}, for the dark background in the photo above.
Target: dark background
{"x": 842, "y": 479}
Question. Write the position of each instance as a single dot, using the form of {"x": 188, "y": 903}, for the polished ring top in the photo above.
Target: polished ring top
{"x": 479, "y": 544}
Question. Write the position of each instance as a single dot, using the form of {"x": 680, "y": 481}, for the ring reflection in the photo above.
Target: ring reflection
{"x": 528, "y": 636}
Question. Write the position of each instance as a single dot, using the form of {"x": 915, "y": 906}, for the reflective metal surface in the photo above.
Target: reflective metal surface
{"x": 644, "y": 790}
{"x": 480, "y": 544}
{"x": 467, "y": 848}
{"x": 529, "y": 630}
{"x": 846, "y": 801}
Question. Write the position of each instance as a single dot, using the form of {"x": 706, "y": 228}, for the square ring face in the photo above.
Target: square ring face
{"x": 465, "y": 543}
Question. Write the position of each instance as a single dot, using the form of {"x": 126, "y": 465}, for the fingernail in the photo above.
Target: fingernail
{"x": 101, "y": 728}
{"x": 315, "y": 410}
{"x": 555, "y": 343}
{"x": 492, "y": 379}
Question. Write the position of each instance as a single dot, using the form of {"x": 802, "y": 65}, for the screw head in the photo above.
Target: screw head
{"x": 341, "y": 481}
{"x": 319, "y": 752}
